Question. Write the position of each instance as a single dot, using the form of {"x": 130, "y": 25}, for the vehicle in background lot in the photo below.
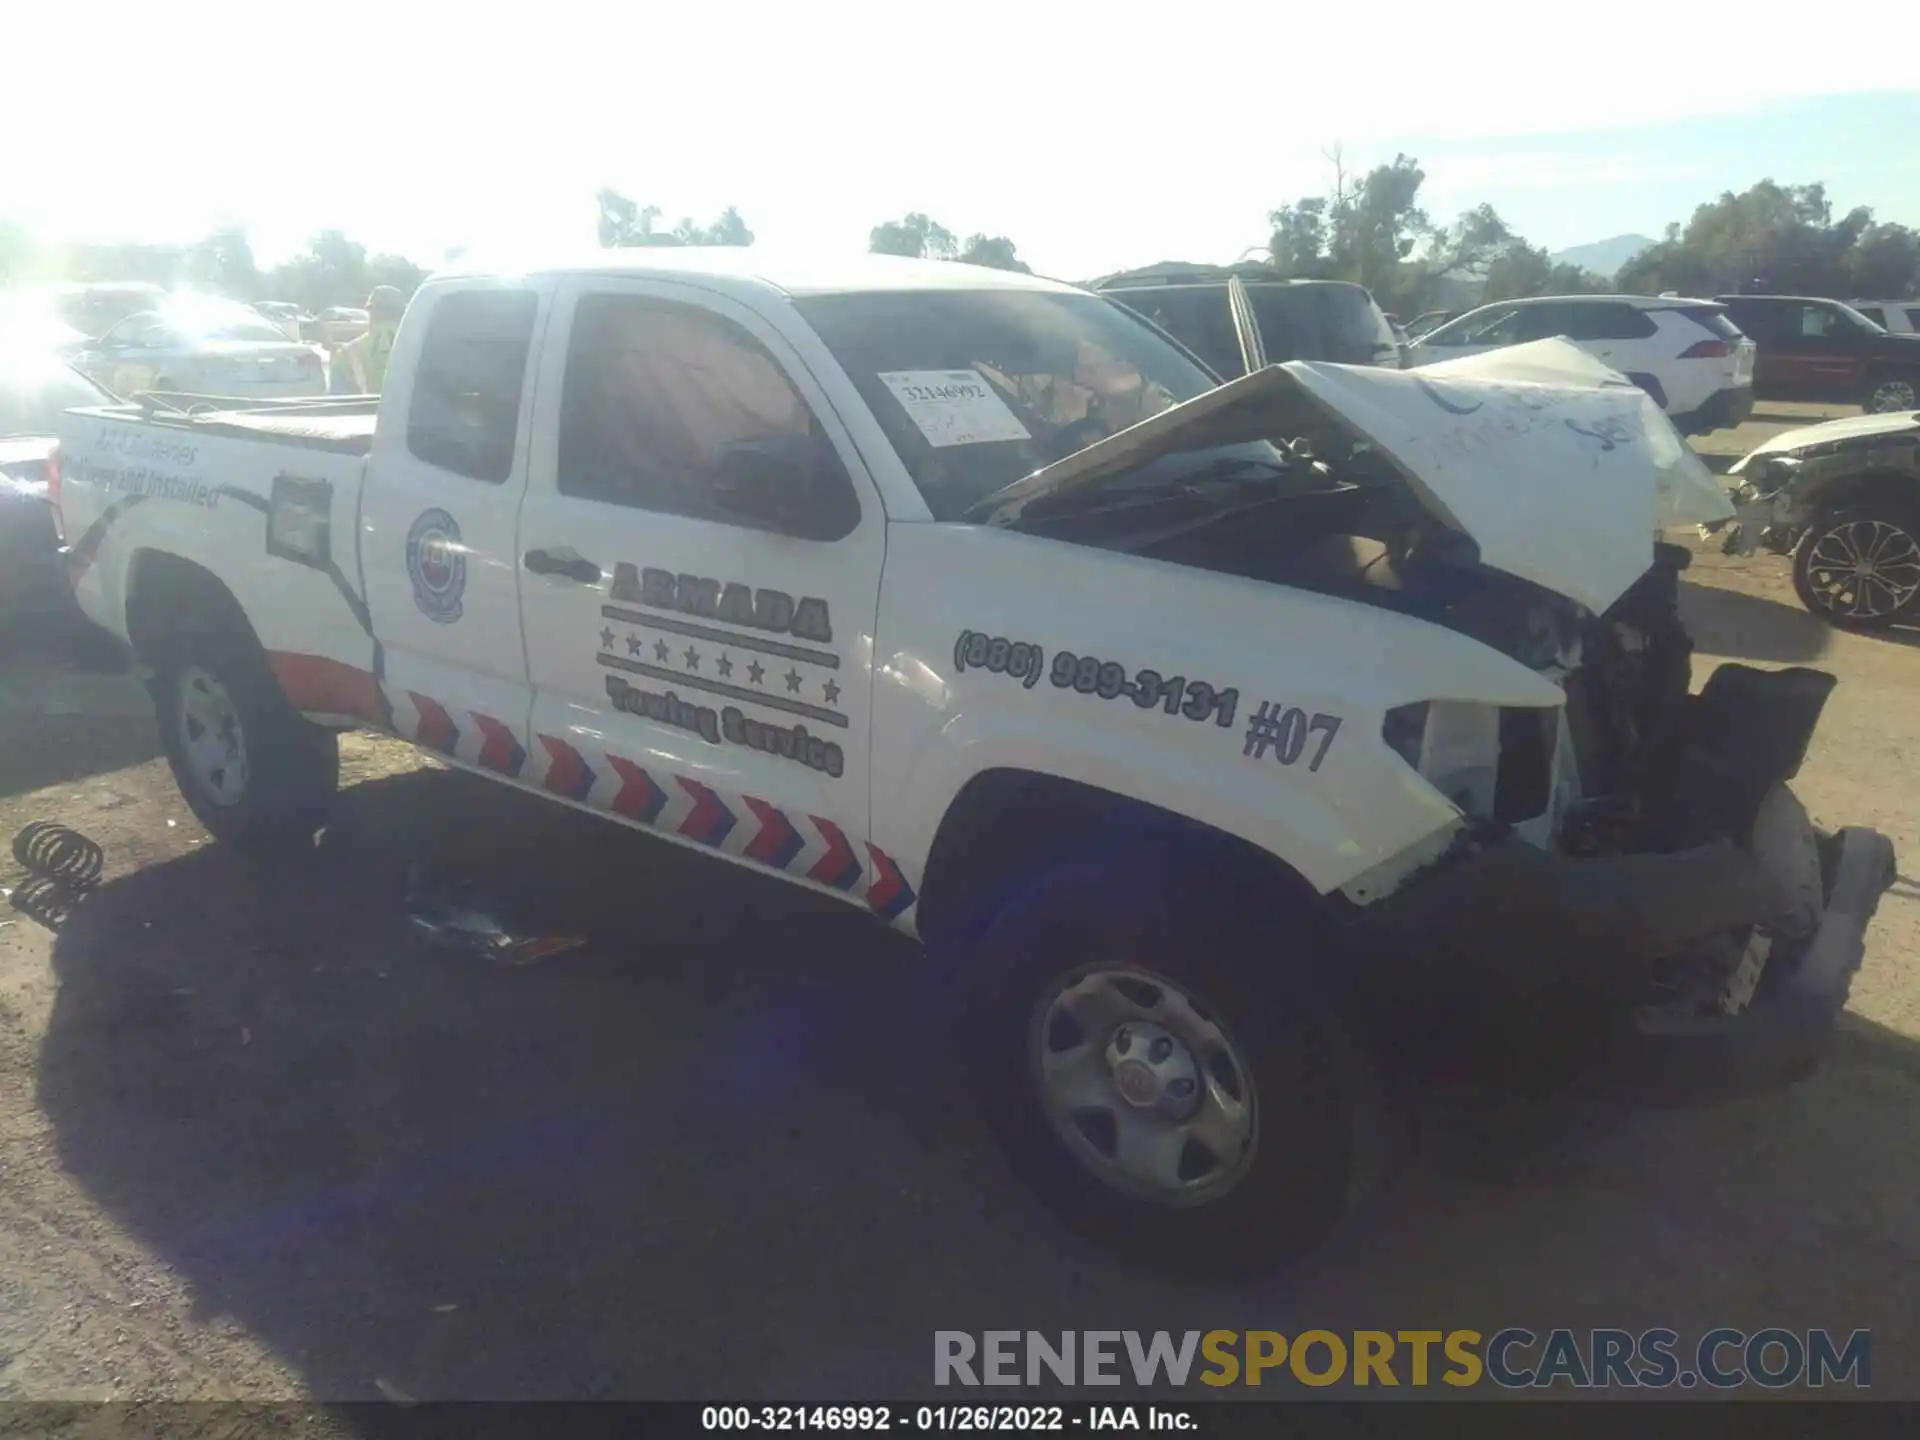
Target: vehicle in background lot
{"x": 1843, "y": 499}
{"x": 1239, "y": 318}
{"x": 31, "y": 324}
{"x": 1225, "y": 743}
{"x": 93, "y": 310}
{"x": 1897, "y": 317}
{"x": 204, "y": 348}
{"x": 35, "y": 387}
{"x": 1815, "y": 349}
{"x": 284, "y": 314}
{"x": 335, "y": 325}
{"x": 1686, "y": 354}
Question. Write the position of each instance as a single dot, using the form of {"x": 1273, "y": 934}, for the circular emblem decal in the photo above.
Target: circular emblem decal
{"x": 438, "y": 564}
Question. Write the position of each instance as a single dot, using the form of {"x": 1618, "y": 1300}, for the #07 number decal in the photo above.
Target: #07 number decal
{"x": 1089, "y": 675}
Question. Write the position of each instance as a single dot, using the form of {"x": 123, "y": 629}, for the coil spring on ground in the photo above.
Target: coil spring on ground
{"x": 58, "y": 853}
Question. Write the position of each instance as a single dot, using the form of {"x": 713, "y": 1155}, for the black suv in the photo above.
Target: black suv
{"x": 1813, "y": 349}
{"x": 1238, "y": 318}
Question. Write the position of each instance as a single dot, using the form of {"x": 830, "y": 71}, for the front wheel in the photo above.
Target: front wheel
{"x": 253, "y": 771}
{"x": 1860, "y": 568}
{"x": 1888, "y": 393}
{"x": 1179, "y": 1093}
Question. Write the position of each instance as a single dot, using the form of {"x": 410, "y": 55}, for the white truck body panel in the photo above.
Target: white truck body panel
{"x": 826, "y": 744}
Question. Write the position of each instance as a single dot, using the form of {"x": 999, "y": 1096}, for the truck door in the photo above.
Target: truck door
{"x": 438, "y": 523}
{"x": 701, "y": 550}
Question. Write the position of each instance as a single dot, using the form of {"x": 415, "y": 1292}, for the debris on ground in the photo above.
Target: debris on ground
{"x": 62, "y": 867}
{"x": 461, "y": 918}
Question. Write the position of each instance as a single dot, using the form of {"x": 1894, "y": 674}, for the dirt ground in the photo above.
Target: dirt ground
{"x": 257, "y": 1140}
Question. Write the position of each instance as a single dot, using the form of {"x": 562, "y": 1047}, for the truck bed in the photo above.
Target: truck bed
{"x": 344, "y": 427}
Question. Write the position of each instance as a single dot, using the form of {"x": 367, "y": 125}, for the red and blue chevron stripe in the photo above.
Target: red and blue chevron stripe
{"x": 569, "y": 774}
{"x": 639, "y": 798}
{"x": 502, "y": 750}
{"x": 889, "y": 895}
{"x": 710, "y": 820}
{"x": 839, "y": 867}
{"x": 436, "y": 729}
{"x": 778, "y": 841}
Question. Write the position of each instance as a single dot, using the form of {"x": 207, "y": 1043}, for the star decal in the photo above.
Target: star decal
{"x": 724, "y": 666}
{"x": 832, "y": 692}
{"x": 755, "y": 670}
{"x": 606, "y": 639}
{"x": 793, "y": 681}
{"x": 661, "y": 652}
{"x": 634, "y": 645}
{"x": 693, "y": 658}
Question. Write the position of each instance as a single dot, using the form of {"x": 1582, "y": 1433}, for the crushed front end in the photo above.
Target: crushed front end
{"x": 1633, "y": 894}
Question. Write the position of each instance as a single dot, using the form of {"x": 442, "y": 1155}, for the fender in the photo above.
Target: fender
{"x": 1281, "y": 746}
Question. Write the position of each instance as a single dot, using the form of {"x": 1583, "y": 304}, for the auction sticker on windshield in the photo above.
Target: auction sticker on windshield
{"x": 953, "y": 407}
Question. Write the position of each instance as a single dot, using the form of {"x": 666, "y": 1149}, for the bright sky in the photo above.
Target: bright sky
{"x": 1095, "y": 141}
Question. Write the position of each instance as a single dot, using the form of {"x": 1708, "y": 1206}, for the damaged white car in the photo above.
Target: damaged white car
{"x": 1230, "y": 748}
{"x": 1843, "y": 501}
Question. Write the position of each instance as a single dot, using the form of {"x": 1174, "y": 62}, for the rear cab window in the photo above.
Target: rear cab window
{"x": 464, "y": 413}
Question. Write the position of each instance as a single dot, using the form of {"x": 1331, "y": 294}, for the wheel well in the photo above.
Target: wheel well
{"x": 1007, "y": 826}
{"x": 168, "y": 596}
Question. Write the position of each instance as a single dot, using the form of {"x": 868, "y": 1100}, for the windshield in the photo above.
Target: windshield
{"x": 32, "y": 395}
{"x": 977, "y": 389}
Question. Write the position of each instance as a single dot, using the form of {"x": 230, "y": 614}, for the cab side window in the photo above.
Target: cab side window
{"x": 664, "y": 406}
{"x": 465, "y": 411}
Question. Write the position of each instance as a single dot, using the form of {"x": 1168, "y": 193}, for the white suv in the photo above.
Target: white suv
{"x": 1687, "y": 354}
{"x": 1897, "y": 317}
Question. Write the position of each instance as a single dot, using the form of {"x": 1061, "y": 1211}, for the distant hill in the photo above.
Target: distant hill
{"x": 1604, "y": 257}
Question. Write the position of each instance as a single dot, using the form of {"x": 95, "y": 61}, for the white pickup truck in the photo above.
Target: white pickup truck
{"x": 1229, "y": 742}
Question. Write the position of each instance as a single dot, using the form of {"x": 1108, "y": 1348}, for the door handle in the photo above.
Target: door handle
{"x": 563, "y": 563}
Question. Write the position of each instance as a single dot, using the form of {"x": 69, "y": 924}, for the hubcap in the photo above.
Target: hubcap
{"x": 210, "y": 735}
{"x": 1891, "y": 395}
{"x": 1145, "y": 1090}
{"x": 1864, "y": 569}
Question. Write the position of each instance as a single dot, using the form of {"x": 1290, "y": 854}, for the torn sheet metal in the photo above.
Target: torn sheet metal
{"x": 1561, "y": 470}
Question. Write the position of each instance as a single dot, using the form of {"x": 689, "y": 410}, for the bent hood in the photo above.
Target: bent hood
{"x": 1863, "y": 429}
{"x": 1559, "y": 469}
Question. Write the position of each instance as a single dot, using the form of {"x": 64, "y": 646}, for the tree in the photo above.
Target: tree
{"x": 729, "y": 229}
{"x": 624, "y": 222}
{"x": 915, "y": 235}
{"x": 333, "y": 271}
{"x": 223, "y": 262}
{"x": 397, "y": 271}
{"x": 1364, "y": 231}
{"x": 993, "y": 251}
{"x": 1781, "y": 238}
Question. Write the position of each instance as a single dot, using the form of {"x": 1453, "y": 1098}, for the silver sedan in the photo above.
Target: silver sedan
{"x": 204, "y": 350}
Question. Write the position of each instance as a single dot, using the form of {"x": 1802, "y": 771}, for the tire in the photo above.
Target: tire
{"x": 1825, "y": 573}
{"x": 282, "y": 773}
{"x": 1318, "y": 1132}
{"x": 1890, "y": 391}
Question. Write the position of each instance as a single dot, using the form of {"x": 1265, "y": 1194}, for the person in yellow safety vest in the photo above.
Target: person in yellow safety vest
{"x": 360, "y": 365}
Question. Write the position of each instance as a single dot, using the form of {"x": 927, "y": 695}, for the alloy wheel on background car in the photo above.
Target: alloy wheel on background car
{"x": 1890, "y": 395}
{"x": 1863, "y": 569}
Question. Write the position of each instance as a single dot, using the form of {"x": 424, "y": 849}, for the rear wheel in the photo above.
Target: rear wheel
{"x": 1161, "y": 1069}
{"x": 253, "y": 771}
{"x": 1860, "y": 568}
{"x": 1887, "y": 393}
